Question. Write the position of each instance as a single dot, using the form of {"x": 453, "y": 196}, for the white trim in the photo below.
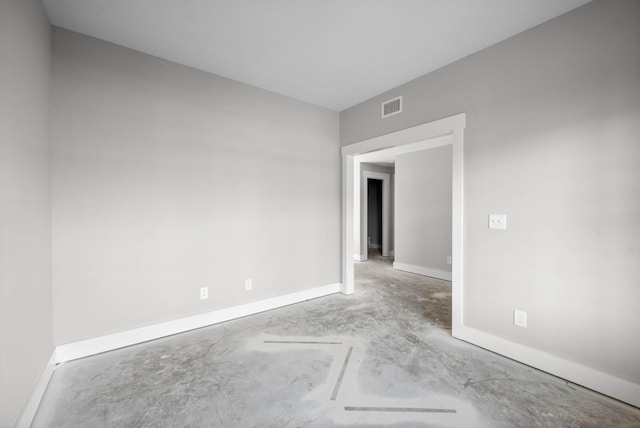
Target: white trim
{"x": 360, "y": 258}
{"x": 349, "y": 167}
{"x": 420, "y": 270}
{"x": 596, "y": 380}
{"x": 30, "y": 409}
{"x": 393, "y": 152}
{"x": 418, "y": 133}
{"x": 357, "y": 242}
{"x": 376, "y": 247}
{"x": 97, "y": 345}
{"x": 457, "y": 230}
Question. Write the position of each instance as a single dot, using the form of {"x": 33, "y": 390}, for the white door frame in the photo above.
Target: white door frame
{"x": 361, "y": 253}
{"x": 419, "y": 137}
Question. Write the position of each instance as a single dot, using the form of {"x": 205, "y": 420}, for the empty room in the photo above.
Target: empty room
{"x": 286, "y": 213}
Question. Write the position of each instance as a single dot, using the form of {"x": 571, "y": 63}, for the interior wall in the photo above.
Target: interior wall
{"x": 424, "y": 211}
{"x": 25, "y": 222}
{"x": 167, "y": 179}
{"x": 552, "y": 142}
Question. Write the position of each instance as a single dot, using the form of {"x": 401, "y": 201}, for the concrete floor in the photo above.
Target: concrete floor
{"x": 381, "y": 357}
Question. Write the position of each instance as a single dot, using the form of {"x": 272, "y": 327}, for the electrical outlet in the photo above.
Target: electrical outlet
{"x": 204, "y": 293}
{"x": 248, "y": 284}
{"x": 448, "y": 260}
{"x": 520, "y": 318}
{"x": 497, "y": 221}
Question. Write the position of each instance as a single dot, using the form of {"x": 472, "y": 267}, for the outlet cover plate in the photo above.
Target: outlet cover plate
{"x": 497, "y": 221}
{"x": 204, "y": 293}
{"x": 520, "y": 318}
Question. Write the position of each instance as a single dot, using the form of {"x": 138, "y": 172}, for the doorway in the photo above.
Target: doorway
{"x": 374, "y": 214}
{"x": 361, "y": 208}
{"x": 419, "y": 137}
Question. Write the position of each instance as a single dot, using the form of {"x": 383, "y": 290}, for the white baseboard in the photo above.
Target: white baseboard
{"x": 30, "y": 409}
{"x": 85, "y": 348}
{"x": 376, "y": 246}
{"x": 359, "y": 257}
{"x": 434, "y": 273}
{"x": 588, "y": 377}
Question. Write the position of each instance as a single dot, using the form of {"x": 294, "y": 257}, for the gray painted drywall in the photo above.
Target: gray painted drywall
{"x": 423, "y": 208}
{"x": 167, "y": 179}
{"x": 374, "y": 212}
{"x": 25, "y": 222}
{"x": 553, "y": 125}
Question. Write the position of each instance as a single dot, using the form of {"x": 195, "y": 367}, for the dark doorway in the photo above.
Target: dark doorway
{"x": 374, "y": 213}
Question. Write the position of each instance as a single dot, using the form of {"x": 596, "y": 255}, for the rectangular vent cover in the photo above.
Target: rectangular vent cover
{"x": 391, "y": 107}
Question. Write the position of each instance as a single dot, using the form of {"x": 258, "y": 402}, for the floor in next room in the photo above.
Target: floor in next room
{"x": 381, "y": 357}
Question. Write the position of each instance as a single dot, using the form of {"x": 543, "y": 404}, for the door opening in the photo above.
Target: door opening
{"x": 405, "y": 141}
{"x": 374, "y": 214}
{"x": 361, "y": 215}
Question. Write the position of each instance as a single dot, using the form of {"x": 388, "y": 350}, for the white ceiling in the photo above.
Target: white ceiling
{"x": 332, "y": 53}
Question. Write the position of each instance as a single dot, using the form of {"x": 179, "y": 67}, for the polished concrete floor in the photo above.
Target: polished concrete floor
{"x": 381, "y": 357}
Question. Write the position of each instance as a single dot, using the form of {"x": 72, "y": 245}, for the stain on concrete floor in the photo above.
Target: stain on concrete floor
{"x": 404, "y": 366}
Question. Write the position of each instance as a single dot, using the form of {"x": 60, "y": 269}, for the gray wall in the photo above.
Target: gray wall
{"x": 423, "y": 208}
{"x": 25, "y": 222}
{"x": 553, "y": 125}
{"x": 167, "y": 179}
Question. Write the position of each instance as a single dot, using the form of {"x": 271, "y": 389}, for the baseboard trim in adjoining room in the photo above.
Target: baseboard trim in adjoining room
{"x": 97, "y": 345}
{"x": 434, "y": 273}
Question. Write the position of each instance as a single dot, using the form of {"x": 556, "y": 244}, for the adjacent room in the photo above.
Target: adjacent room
{"x": 319, "y": 213}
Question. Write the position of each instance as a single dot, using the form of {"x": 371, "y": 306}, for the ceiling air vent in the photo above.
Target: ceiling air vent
{"x": 391, "y": 107}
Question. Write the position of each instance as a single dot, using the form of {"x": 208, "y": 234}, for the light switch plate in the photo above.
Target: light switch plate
{"x": 497, "y": 221}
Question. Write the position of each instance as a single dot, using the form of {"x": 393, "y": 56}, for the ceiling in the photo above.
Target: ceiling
{"x": 332, "y": 53}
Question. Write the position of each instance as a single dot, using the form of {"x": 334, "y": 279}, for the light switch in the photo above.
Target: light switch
{"x": 497, "y": 221}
